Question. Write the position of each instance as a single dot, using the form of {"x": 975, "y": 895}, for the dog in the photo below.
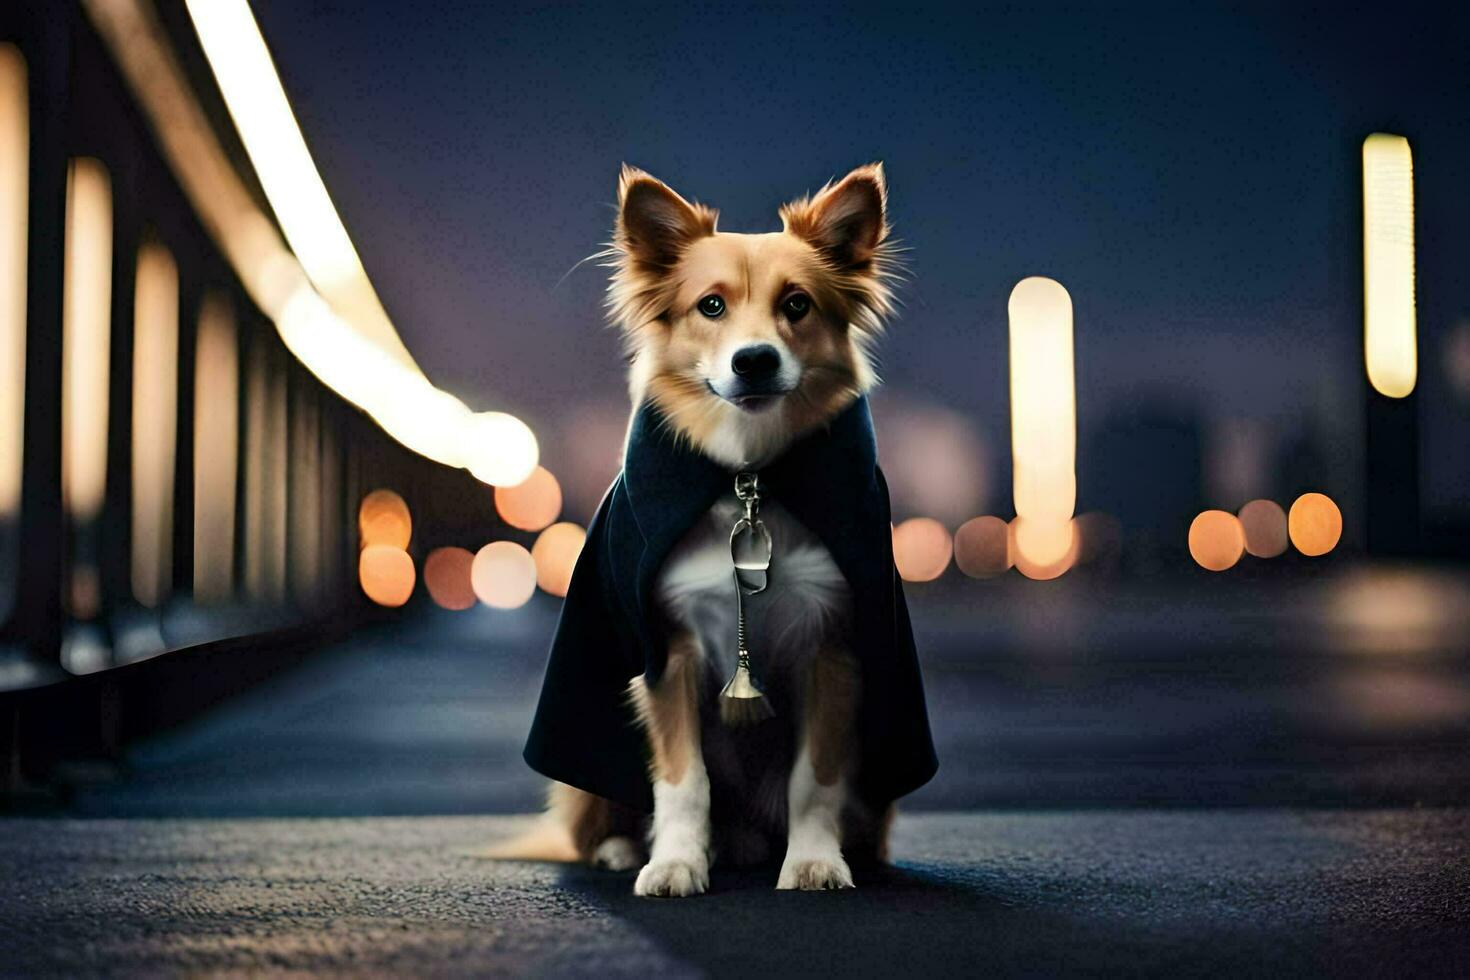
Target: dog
{"x": 745, "y": 344}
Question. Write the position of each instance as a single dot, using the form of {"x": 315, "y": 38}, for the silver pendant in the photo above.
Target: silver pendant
{"x": 741, "y": 701}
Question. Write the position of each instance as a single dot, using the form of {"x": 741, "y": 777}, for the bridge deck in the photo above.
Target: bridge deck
{"x": 1139, "y": 806}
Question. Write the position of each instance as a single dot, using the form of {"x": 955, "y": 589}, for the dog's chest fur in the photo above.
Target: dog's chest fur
{"x": 805, "y": 599}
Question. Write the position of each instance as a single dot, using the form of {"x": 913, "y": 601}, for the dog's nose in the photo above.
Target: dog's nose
{"x": 756, "y": 362}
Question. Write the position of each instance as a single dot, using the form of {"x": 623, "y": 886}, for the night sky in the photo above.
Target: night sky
{"x": 1190, "y": 174}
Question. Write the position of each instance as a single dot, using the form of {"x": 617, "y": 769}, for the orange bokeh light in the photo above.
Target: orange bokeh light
{"x": 921, "y": 549}
{"x": 447, "y": 577}
{"x": 555, "y": 553}
{"x": 1043, "y": 543}
{"x": 1315, "y": 524}
{"x": 383, "y": 518}
{"x": 503, "y": 575}
{"x": 1264, "y": 523}
{"x": 532, "y": 504}
{"x": 1045, "y": 550}
{"x": 1216, "y": 540}
{"x": 982, "y": 547}
{"x": 386, "y": 574}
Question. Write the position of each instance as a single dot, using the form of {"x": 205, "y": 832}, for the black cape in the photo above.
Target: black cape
{"x": 584, "y": 733}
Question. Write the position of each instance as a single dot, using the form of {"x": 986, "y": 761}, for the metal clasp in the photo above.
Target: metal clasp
{"x": 747, "y": 488}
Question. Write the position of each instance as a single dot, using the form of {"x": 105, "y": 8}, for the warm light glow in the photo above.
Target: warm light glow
{"x": 386, "y": 574}
{"x": 86, "y": 331}
{"x": 531, "y": 504}
{"x": 921, "y": 549}
{"x": 1398, "y": 611}
{"x": 305, "y": 537}
{"x": 1389, "y": 342}
{"x": 1315, "y": 524}
{"x": 383, "y": 518}
{"x": 1043, "y": 421}
{"x": 257, "y": 103}
{"x": 501, "y": 449}
{"x": 155, "y": 421}
{"x": 555, "y": 553}
{"x": 15, "y": 163}
{"x": 265, "y": 476}
{"x": 84, "y": 591}
{"x": 1216, "y": 540}
{"x": 503, "y": 575}
{"x": 216, "y": 435}
{"x": 1050, "y": 549}
{"x": 1264, "y": 524}
{"x": 982, "y": 547}
{"x": 320, "y": 300}
{"x": 447, "y": 577}
{"x": 1043, "y": 543}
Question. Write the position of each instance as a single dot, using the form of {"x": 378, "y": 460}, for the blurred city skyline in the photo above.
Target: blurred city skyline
{"x": 1191, "y": 176}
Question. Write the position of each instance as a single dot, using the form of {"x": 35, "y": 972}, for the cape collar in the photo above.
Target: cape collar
{"x": 670, "y": 484}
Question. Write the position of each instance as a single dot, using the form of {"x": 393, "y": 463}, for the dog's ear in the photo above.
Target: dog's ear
{"x": 846, "y": 221}
{"x": 655, "y": 224}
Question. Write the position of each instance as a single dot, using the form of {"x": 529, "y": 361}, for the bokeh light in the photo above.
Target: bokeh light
{"x": 531, "y": 504}
{"x": 503, "y": 575}
{"x": 447, "y": 577}
{"x": 1050, "y": 548}
{"x": 1043, "y": 417}
{"x": 15, "y": 168}
{"x": 555, "y": 553}
{"x": 982, "y": 547}
{"x": 383, "y": 518}
{"x": 935, "y": 459}
{"x": 386, "y": 574}
{"x": 921, "y": 549}
{"x": 1264, "y": 524}
{"x": 1216, "y": 540}
{"x": 1389, "y": 343}
{"x": 1042, "y": 543}
{"x": 155, "y": 421}
{"x": 1315, "y": 524}
{"x": 216, "y": 445}
{"x": 319, "y": 298}
{"x": 86, "y": 331}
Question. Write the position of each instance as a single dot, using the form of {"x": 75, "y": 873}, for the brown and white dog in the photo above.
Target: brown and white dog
{"x": 744, "y": 343}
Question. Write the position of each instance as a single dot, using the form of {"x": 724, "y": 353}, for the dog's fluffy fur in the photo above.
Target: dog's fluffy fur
{"x": 803, "y": 305}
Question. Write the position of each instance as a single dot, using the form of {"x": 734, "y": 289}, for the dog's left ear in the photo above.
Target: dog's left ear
{"x": 846, "y": 221}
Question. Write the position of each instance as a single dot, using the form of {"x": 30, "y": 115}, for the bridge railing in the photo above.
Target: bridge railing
{"x": 170, "y": 475}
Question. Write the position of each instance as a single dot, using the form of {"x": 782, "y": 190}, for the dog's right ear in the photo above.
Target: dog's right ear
{"x": 655, "y": 224}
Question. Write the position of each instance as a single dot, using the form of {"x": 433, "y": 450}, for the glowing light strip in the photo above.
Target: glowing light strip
{"x": 155, "y": 421}
{"x": 86, "y": 337}
{"x": 351, "y": 348}
{"x": 15, "y": 171}
{"x": 1043, "y": 418}
{"x": 1389, "y": 347}
{"x": 257, "y": 103}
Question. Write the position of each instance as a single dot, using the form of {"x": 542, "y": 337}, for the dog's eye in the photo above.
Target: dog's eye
{"x": 796, "y": 306}
{"x": 712, "y": 306}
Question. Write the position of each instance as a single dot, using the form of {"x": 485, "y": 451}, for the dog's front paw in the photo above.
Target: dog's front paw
{"x": 814, "y": 874}
{"x": 672, "y": 879}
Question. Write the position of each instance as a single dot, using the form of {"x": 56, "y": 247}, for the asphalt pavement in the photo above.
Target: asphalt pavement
{"x": 1031, "y": 894}
{"x": 1195, "y": 780}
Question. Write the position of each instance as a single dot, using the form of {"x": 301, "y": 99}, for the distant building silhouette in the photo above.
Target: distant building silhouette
{"x": 1143, "y": 464}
